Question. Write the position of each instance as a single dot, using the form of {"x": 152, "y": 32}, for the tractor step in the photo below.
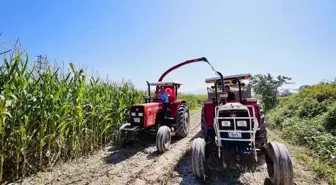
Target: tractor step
{"x": 131, "y": 128}
{"x": 169, "y": 118}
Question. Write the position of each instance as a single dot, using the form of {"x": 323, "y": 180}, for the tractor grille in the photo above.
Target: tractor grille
{"x": 234, "y": 113}
{"x": 137, "y": 119}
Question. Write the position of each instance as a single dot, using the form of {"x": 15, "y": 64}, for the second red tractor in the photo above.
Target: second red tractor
{"x": 148, "y": 117}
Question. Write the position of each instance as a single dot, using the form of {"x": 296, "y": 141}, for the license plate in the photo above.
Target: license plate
{"x": 235, "y": 135}
{"x": 136, "y": 120}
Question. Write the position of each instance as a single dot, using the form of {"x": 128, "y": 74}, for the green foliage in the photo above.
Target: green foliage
{"x": 45, "y": 117}
{"x": 266, "y": 86}
{"x": 192, "y": 100}
{"x": 309, "y": 118}
{"x": 311, "y": 108}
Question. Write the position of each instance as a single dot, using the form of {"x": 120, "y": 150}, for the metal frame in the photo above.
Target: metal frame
{"x": 251, "y": 130}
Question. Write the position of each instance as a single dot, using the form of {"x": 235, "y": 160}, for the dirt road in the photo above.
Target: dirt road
{"x": 183, "y": 174}
{"x": 140, "y": 164}
{"x": 137, "y": 164}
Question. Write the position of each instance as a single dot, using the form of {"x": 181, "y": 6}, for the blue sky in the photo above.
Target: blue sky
{"x": 139, "y": 40}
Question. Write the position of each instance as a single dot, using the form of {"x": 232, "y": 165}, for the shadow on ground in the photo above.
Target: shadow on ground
{"x": 118, "y": 155}
{"x": 155, "y": 154}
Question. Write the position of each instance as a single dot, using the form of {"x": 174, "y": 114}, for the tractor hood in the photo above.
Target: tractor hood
{"x": 147, "y": 104}
{"x": 234, "y": 105}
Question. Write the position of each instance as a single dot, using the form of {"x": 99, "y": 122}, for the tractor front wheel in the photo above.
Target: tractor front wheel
{"x": 198, "y": 158}
{"x": 183, "y": 121}
{"x": 121, "y": 140}
{"x": 279, "y": 164}
{"x": 163, "y": 139}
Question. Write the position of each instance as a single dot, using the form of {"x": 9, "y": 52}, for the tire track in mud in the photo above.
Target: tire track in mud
{"x": 216, "y": 175}
{"x": 135, "y": 164}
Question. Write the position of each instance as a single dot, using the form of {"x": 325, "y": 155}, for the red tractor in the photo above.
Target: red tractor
{"x": 148, "y": 117}
{"x": 236, "y": 129}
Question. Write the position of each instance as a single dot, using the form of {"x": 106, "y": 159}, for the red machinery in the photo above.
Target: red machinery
{"x": 237, "y": 131}
{"x": 148, "y": 117}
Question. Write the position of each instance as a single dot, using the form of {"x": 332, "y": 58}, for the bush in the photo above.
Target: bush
{"x": 309, "y": 118}
{"x": 310, "y": 108}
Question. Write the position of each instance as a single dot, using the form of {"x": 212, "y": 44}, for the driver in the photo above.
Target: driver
{"x": 231, "y": 95}
{"x": 164, "y": 97}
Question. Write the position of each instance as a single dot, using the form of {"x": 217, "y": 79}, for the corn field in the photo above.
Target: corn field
{"x": 46, "y": 117}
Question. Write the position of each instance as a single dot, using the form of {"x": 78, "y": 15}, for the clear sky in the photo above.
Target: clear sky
{"x": 139, "y": 40}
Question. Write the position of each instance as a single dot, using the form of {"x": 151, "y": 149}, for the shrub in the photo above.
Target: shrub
{"x": 309, "y": 118}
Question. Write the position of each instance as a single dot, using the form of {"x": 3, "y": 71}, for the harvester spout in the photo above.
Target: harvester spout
{"x": 202, "y": 59}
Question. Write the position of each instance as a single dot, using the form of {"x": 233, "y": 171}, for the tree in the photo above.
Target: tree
{"x": 266, "y": 87}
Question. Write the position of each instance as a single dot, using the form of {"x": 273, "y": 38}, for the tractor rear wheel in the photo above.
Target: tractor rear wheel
{"x": 163, "y": 139}
{"x": 121, "y": 141}
{"x": 183, "y": 121}
{"x": 279, "y": 164}
{"x": 203, "y": 124}
{"x": 198, "y": 158}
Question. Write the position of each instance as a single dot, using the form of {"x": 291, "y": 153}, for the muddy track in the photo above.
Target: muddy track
{"x": 136, "y": 164}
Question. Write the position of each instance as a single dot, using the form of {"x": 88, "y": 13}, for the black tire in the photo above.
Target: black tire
{"x": 183, "y": 121}
{"x": 198, "y": 158}
{"x": 121, "y": 141}
{"x": 203, "y": 124}
{"x": 279, "y": 164}
{"x": 163, "y": 139}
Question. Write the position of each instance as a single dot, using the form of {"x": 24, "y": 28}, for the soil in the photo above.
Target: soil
{"x": 140, "y": 164}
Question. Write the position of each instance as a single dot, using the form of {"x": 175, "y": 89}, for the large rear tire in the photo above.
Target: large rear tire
{"x": 279, "y": 164}
{"x": 203, "y": 124}
{"x": 183, "y": 121}
{"x": 198, "y": 158}
{"x": 163, "y": 139}
{"x": 121, "y": 141}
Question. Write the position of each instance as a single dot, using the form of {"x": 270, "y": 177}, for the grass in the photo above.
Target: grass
{"x": 308, "y": 119}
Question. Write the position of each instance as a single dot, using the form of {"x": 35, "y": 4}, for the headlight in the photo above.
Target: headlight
{"x": 133, "y": 114}
{"x": 241, "y": 123}
{"x": 225, "y": 123}
{"x": 140, "y": 114}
